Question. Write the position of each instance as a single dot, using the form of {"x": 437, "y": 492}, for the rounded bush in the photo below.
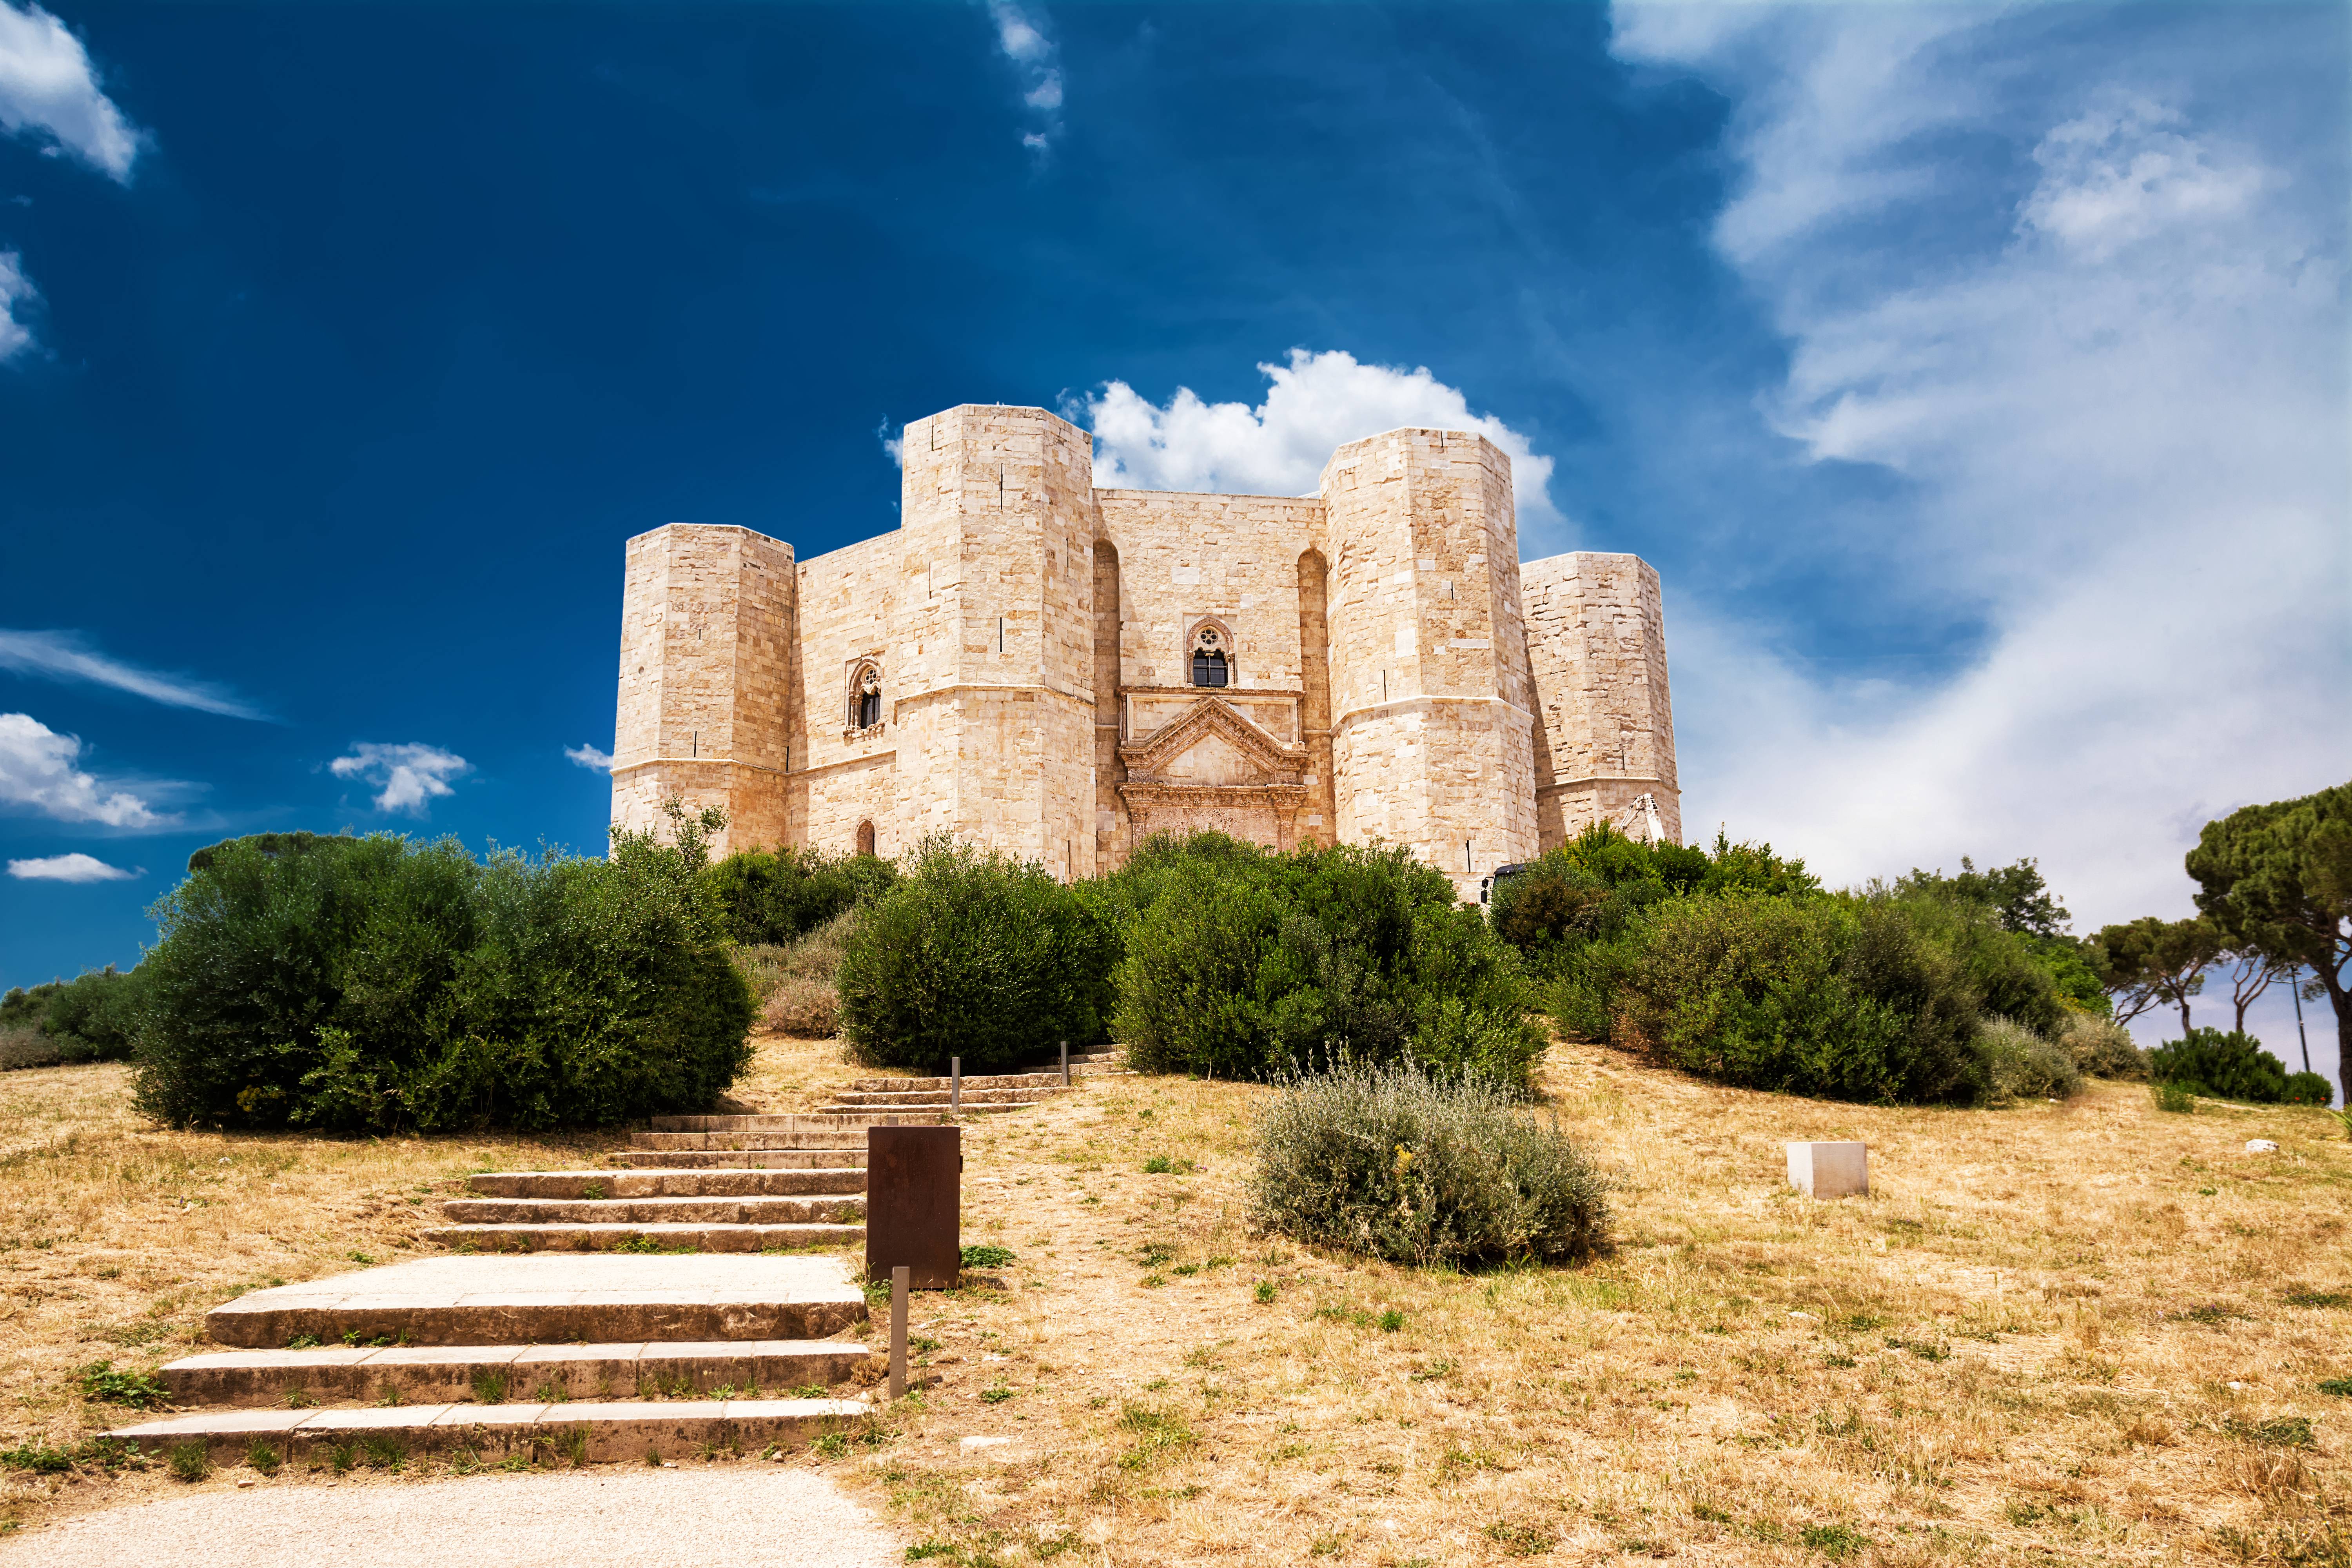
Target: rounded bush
{"x": 1423, "y": 1168}
{"x": 376, "y": 984}
{"x": 2018, "y": 1064}
{"x": 2101, "y": 1047}
{"x": 772, "y": 898}
{"x": 972, "y": 954}
{"x": 2220, "y": 1066}
{"x": 1243, "y": 963}
{"x": 1838, "y": 998}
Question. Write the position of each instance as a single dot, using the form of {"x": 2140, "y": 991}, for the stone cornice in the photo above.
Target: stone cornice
{"x": 1209, "y": 715}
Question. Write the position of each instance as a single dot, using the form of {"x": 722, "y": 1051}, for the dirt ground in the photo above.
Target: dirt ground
{"x": 2050, "y": 1333}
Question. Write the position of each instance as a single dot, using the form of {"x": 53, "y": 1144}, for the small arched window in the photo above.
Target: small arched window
{"x": 866, "y": 839}
{"x": 866, "y": 699}
{"x": 1209, "y": 666}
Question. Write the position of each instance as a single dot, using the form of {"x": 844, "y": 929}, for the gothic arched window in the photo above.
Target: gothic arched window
{"x": 866, "y": 839}
{"x": 1209, "y": 664}
{"x": 866, "y": 699}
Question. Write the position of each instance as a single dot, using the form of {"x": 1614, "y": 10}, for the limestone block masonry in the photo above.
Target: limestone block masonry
{"x": 1062, "y": 671}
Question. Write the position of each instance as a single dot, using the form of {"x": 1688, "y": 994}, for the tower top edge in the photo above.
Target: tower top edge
{"x": 783, "y": 545}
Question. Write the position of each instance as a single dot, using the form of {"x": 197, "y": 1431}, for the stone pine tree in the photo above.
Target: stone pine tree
{"x": 2152, "y": 961}
{"x": 2278, "y": 878}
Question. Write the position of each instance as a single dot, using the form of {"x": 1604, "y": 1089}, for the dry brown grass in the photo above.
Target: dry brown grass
{"x": 2040, "y": 1337}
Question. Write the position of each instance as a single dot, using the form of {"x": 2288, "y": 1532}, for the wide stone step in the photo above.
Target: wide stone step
{"x": 832, "y": 1208}
{"x": 577, "y": 1433}
{"x": 984, "y": 1109}
{"x": 722, "y": 1143}
{"x": 494, "y": 1375}
{"x": 697, "y": 1160}
{"x": 587, "y": 1236}
{"x": 972, "y": 1081}
{"x": 556, "y": 1299}
{"x": 877, "y": 1098}
{"x": 796, "y": 1122}
{"x": 720, "y": 1183}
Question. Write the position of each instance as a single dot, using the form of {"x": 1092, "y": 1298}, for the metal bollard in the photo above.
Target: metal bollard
{"x": 1066, "y": 1064}
{"x": 899, "y": 1277}
{"x": 955, "y": 1086}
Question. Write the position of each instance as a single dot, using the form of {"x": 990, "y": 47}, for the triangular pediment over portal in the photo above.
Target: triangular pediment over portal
{"x": 1210, "y": 743}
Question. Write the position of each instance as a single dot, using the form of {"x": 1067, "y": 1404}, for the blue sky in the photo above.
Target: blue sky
{"x": 1976, "y": 377}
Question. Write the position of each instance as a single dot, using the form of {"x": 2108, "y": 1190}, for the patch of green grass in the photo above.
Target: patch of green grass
{"x": 303, "y": 1342}
{"x": 361, "y": 1258}
{"x": 38, "y": 1458}
{"x": 383, "y": 1452}
{"x": 1157, "y": 1434}
{"x": 2211, "y": 1313}
{"x": 1162, "y": 1165}
{"x": 1263, "y": 1292}
{"x": 1520, "y": 1539}
{"x": 832, "y": 1446}
{"x": 986, "y": 1257}
{"x": 996, "y": 1394}
{"x": 2283, "y": 1432}
{"x": 2319, "y": 1298}
{"x": 1390, "y": 1320}
{"x": 139, "y": 1390}
{"x": 489, "y": 1385}
{"x": 1154, "y": 1255}
{"x": 263, "y": 1458}
{"x": 1835, "y": 1541}
{"x": 2341, "y": 1387}
{"x": 187, "y": 1461}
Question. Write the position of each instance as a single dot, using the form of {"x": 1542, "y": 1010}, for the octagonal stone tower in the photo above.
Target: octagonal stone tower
{"x": 1063, "y": 671}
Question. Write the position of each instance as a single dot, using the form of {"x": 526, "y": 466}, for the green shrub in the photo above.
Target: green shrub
{"x": 2222, "y": 1065}
{"x": 2307, "y": 1089}
{"x": 1241, "y": 962}
{"x": 1423, "y": 1168}
{"x": 972, "y": 954}
{"x": 2101, "y": 1047}
{"x": 2178, "y": 1099}
{"x": 2000, "y": 967}
{"x": 375, "y": 984}
{"x": 1839, "y": 998}
{"x": 92, "y": 1018}
{"x": 772, "y": 898}
{"x": 2015, "y": 1064}
{"x": 795, "y": 984}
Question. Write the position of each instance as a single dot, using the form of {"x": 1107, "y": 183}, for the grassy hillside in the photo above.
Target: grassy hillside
{"x": 2081, "y": 1331}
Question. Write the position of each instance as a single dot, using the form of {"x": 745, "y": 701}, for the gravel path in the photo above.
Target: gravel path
{"x": 615, "y": 1518}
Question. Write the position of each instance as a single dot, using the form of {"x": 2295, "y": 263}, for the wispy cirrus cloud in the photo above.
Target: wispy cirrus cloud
{"x": 65, "y": 655}
{"x": 16, "y": 291}
{"x": 40, "y": 771}
{"x": 1024, "y": 35}
{"x": 74, "y": 867}
{"x": 590, "y": 757}
{"x": 410, "y": 773}
{"x": 49, "y": 89}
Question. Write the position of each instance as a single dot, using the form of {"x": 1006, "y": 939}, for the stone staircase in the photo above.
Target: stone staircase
{"x": 547, "y": 1334}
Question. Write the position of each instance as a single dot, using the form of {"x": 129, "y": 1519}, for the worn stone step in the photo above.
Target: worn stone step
{"x": 718, "y": 1183}
{"x": 492, "y": 1374}
{"x": 725, "y": 1143}
{"x": 984, "y": 1109}
{"x": 697, "y": 1160}
{"x": 796, "y": 1122}
{"x": 551, "y": 1299}
{"x": 577, "y": 1433}
{"x": 860, "y": 1100}
{"x": 971, "y": 1081}
{"x": 826, "y": 1208}
{"x": 588, "y": 1236}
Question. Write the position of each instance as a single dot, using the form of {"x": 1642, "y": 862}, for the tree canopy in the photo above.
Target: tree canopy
{"x": 2277, "y": 879}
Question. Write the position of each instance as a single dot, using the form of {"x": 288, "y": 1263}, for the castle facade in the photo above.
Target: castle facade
{"x": 1062, "y": 671}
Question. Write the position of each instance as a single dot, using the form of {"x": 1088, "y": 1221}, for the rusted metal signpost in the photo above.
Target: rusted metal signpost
{"x": 914, "y": 1202}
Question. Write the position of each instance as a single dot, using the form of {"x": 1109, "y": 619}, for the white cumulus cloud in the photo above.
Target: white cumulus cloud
{"x": 48, "y": 88}
{"x": 409, "y": 774}
{"x": 590, "y": 757}
{"x": 1022, "y": 34}
{"x": 74, "y": 867}
{"x": 2109, "y": 369}
{"x": 1318, "y": 402}
{"x": 38, "y": 770}
{"x": 63, "y": 656}
{"x": 16, "y": 292}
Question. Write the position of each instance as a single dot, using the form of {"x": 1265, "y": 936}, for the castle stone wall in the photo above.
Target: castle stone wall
{"x": 1396, "y": 674}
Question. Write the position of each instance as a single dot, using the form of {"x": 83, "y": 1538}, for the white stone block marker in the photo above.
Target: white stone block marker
{"x": 1829, "y": 1170}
